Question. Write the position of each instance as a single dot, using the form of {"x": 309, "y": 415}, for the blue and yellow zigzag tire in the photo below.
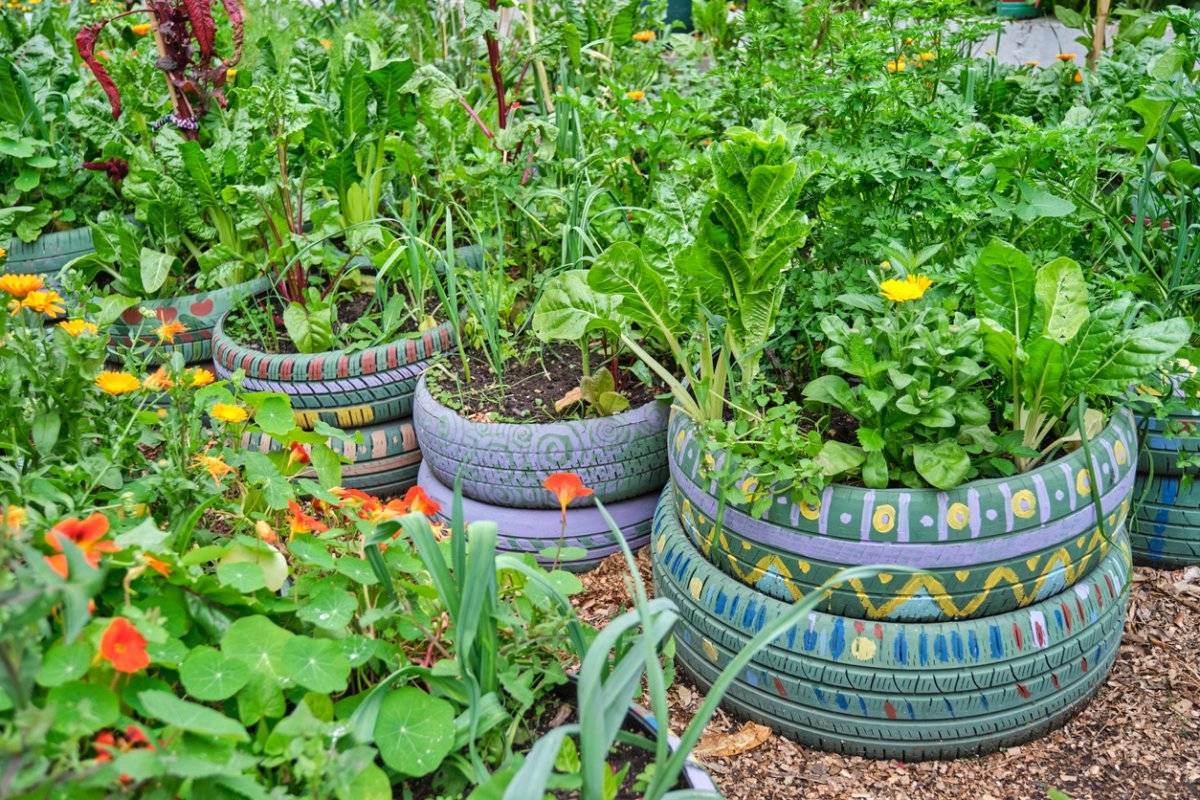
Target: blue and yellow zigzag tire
{"x": 911, "y": 691}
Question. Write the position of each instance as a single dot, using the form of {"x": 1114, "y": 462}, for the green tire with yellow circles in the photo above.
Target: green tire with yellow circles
{"x": 984, "y": 548}
{"x": 886, "y": 689}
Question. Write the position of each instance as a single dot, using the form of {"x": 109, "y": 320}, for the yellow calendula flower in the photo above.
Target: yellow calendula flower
{"x": 117, "y": 382}
{"x": 20, "y": 285}
{"x": 911, "y": 288}
{"x": 140, "y": 30}
{"x": 230, "y": 74}
{"x": 159, "y": 380}
{"x": 199, "y": 377}
{"x": 927, "y": 56}
{"x": 47, "y": 302}
{"x": 228, "y": 413}
{"x": 898, "y": 65}
{"x": 636, "y": 95}
{"x": 645, "y": 36}
{"x": 75, "y": 327}
{"x": 3, "y": 253}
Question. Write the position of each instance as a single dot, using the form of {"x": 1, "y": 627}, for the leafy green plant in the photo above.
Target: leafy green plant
{"x": 1051, "y": 349}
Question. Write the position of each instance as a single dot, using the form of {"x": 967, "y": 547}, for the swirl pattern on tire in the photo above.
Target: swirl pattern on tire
{"x": 897, "y": 689}
{"x": 535, "y": 531}
{"x": 504, "y": 464}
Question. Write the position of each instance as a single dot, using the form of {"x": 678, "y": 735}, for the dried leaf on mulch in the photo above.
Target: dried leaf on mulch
{"x": 1138, "y": 740}
{"x": 723, "y": 745}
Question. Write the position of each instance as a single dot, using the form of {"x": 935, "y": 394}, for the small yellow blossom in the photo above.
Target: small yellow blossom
{"x": 75, "y": 327}
{"x": 230, "y": 74}
{"x": 645, "y": 36}
{"x": 199, "y": 377}
{"x": 228, "y": 413}
{"x": 117, "y": 382}
{"x": 142, "y": 29}
{"x": 898, "y": 65}
{"x": 326, "y": 43}
{"x": 3, "y": 253}
{"x": 636, "y": 95}
{"x": 912, "y": 287}
{"x": 927, "y": 56}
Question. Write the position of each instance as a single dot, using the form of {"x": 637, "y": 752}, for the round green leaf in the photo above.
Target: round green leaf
{"x": 414, "y": 732}
{"x": 357, "y": 649}
{"x": 258, "y": 643}
{"x": 83, "y": 708}
{"x": 329, "y": 607}
{"x": 64, "y": 663}
{"x": 316, "y": 664}
{"x": 208, "y": 674}
{"x": 243, "y": 576}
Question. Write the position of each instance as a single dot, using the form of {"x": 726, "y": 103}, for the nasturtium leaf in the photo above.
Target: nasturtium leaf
{"x": 258, "y": 643}
{"x": 316, "y": 664}
{"x": 370, "y": 784}
{"x": 328, "y": 607}
{"x": 83, "y": 708}
{"x": 357, "y": 570}
{"x": 414, "y": 731}
{"x": 272, "y": 563}
{"x": 275, "y": 415}
{"x": 191, "y": 717}
{"x": 357, "y": 649}
{"x": 310, "y": 550}
{"x": 208, "y": 674}
{"x": 261, "y": 698}
{"x": 243, "y": 576}
{"x": 327, "y": 463}
{"x": 65, "y": 662}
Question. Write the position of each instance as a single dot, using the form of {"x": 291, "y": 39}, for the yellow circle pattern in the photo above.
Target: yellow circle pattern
{"x": 958, "y": 516}
{"x": 1083, "y": 482}
{"x": 1121, "y": 454}
{"x": 885, "y": 518}
{"x": 863, "y": 648}
{"x": 810, "y": 510}
{"x": 1024, "y": 504}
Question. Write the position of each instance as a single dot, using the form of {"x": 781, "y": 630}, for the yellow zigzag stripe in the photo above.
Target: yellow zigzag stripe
{"x": 1000, "y": 576}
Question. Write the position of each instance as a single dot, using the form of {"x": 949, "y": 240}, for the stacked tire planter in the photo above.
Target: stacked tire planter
{"x": 1165, "y": 532}
{"x": 368, "y": 390}
{"x": 47, "y": 254}
{"x": 622, "y": 458}
{"x": 1010, "y": 628}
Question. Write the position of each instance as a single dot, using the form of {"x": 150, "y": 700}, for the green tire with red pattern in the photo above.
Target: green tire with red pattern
{"x": 385, "y": 463}
{"x": 902, "y": 690}
{"x": 343, "y": 389}
{"x": 198, "y": 313}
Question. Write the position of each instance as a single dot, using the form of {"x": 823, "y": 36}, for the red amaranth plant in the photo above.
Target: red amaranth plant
{"x": 186, "y": 37}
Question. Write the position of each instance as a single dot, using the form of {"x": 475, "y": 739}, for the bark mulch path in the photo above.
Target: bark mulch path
{"x": 1138, "y": 740}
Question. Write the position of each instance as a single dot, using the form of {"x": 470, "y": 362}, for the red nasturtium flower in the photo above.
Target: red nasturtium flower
{"x": 106, "y": 744}
{"x": 301, "y": 522}
{"x": 87, "y": 535}
{"x": 418, "y": 501}
{"x": 123, "y": 647}
{"x": 298, "y": 455}
{"x": 566, "y": 486}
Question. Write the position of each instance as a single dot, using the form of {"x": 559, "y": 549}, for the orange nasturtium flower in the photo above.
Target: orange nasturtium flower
{"x": 159, "y": 380}
{"x": 167, "y": 331}
{"x": 228, "y": 413}
{"x": 158, "y": 565}
{"x": 199, "y": 377}
{"x": 117, "y": 382}
{"x": 645, "y": 36}
{"x": 566, "y": 486}
{"x": 123, "y": 647}
{"x": 214, "y": 465}
{"x": 45, "y": 302}
{"x": 88, "y": 535}
{"x": 298, "y": 454}
{"x": 75, "y": 327}
{"x": 299, "y": 522}
{"x": 636, "y": 95}
{"x": 418, "y": 501}
{"x": 20, "y": 285}
{"x": 911, "y": 288}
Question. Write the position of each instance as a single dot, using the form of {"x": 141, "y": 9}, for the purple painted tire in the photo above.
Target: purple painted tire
{"x": 524, "y": 530}
{"x": 504, "y": 463}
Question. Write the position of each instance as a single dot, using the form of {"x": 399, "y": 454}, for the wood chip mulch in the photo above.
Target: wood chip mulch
{"x": 1138, "y": 740}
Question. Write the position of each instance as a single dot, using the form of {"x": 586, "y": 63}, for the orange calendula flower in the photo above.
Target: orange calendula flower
{"x": 911, "y": 288}
{"x": 199, "y": 377}
{"x": 645, "y": 36}
{"x": 45, "y": 302}
{"x": 1065, "y": 56}
{"x": 75, "y": 327}
{"x": 213, "y": 465}
{"x": 123, "y": 647}
{"x": 117, "y": 382}
{"x": 228, "y": 413}
{"x": 20, "y": 285}
{"x": 1078, "y": 76}
{"x": 418, "y": 501}
{"x": 636, "y": 95}
{"x": 159, "y": 380}
{"x": 140, "y": 30}
{"x": 566, "y": 486}
{"x": 159, "y": 566}
{"x": 14, "y": 518}
{"x": 167, "y": 331}
{"x": 88, "y": 535}
{"x": 299, "y": 522}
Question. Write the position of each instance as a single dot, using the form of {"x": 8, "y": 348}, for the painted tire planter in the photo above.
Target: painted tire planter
{"x": 347, "y": 390}
{"x": 1015, "y": 9}
{"x": 198, "y": 313}
{"x": 532, "y": 531}
{"x": 1165, "y": 531}
{"x": 504, "y": 464}
{"x": 903, "y": 690}
{"x": 49, "y": 253}
{"x": 384, "y": 463}
{"x": 988, "y": 546}
{"x": 1164, "y": 441}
